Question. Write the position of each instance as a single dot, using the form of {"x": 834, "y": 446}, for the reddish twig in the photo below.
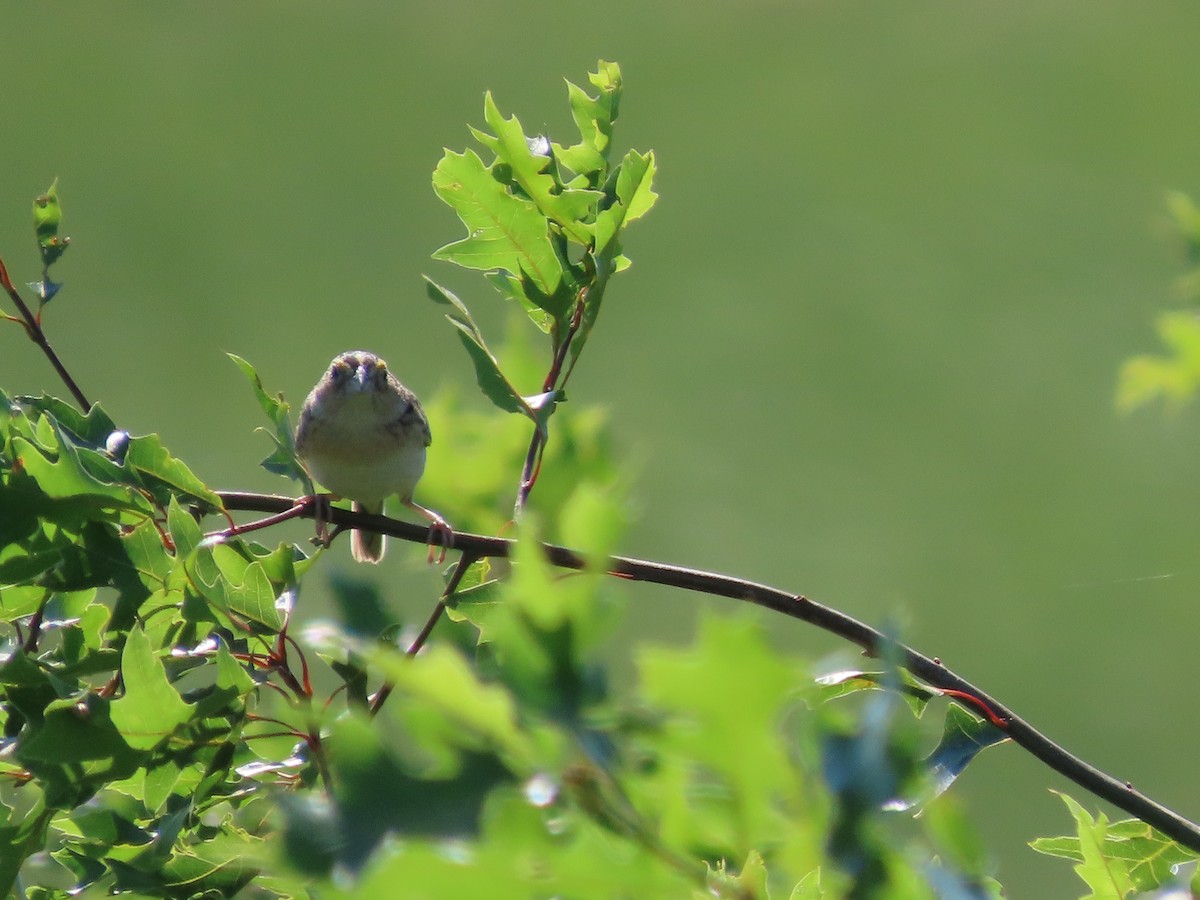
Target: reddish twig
{"x": 537, "y": 444}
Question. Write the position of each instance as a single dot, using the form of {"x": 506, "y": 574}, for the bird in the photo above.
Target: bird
{"x": 362, "y": 434}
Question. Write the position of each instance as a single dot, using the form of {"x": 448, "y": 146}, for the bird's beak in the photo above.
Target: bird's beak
{"x": 362, "y": 378}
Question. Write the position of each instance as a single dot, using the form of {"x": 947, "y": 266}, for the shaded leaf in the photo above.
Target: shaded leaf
{"x": 848, "y": 681}
{"x": 150, "y": 710}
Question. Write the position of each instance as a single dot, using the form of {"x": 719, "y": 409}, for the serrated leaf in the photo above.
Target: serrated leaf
{"x": 916, "y": 693}
{"x": 283, "y": 461}
{"x": 150, "y": 710}
{"x": 92, "y": 428}
{"x": 635, "y": 197}
{"x": 185, "y": 530}
{"x": 725, "y": 692}
{"x": 487, "y": 370}
{"x": 1107, "y": 876}
{"x": 1184, "y": 211}
{"x": 569, "y": 208}
{"x": 234, "y": 585}
{"x": 1173, "y": 376}
{"x": 594, "y": 116}
{"x": 1150, "y": 858}
{"x": 441, "y": 678}
{"x": 65, "y": 477}
{"x": 515, "y": 289}
{"x": 47, "y": 218}
{"x": 504, "y": 232}
{"x": 148, "y": 456}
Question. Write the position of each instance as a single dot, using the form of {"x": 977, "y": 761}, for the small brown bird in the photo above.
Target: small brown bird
{"x": 362, "y": 434}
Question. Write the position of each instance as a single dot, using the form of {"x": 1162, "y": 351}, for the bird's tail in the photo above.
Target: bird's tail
{"x": 367, "y": 546}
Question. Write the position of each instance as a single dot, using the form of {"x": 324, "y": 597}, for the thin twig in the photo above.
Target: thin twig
{"x": 1121, "y": 794}
{"x": 464, "y": 563}
{"x": 33, "y": 328}
{"x": 537, "y": 444}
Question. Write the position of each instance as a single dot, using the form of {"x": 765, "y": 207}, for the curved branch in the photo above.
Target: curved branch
{"x": 1121, "y": 794}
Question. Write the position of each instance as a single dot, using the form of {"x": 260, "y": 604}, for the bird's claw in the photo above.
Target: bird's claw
{"x": 440, "y": 530}
{"x": 320, "y": 504}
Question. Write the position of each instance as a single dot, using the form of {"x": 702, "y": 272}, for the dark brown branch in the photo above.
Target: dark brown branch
{"x": 1121, "y": 794}
{"x": 33, "y": 328}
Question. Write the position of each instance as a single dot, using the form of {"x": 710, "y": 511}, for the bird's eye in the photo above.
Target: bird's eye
{"x": 381, "y": 365}
{"x": 341, "y": 369}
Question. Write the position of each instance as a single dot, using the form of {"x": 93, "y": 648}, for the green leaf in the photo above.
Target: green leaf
{"x": 47, "y": 218}
{"x": 283, "y": 461}
{"x": 440, "y": 678}
{"x": 150, "y": 710}
{"x": 477, "y": 599}
{"x": 91, "y": 429}
{"x": 148, "y": 456}
{"x": 635, "y": 197}
{"x": 235, "y": 585}
{"x": 542, "y": 312}
{"x": 722, "y": 696}
{"x": 569, "y": 208}
{"x": 18, "y": 841}
{"x": 1108, "y": 876}
{"x": 595, "y": 116}
{"x": 1184, "y": 211}
{"x": 185, "y": 531}
{"x": 964, "y": 737}
{"x": 487, "y": 370}
{"x": 593, "y": 521}
{"x": 1173, "y": 377}
{"x": 1150, "y": 858}
{"x": 505, "y": 232}
{"x": 916, "y": 693}
{"x": 60, "y": 472}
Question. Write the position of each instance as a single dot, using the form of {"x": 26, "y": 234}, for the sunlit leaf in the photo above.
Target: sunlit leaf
{"x": 635, "y": 197}
{"x": 504, "y": 232}
{"x": 569, "y": 208}
{"x": 1133, "y": 847}
{"x": 1107, "y": 875}
{"x": 47, "y": 219}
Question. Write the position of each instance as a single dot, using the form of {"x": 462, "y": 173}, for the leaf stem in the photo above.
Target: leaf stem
{"x": 537, "y": 444}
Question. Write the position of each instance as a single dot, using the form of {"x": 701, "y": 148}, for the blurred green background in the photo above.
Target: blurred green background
{"x": 866, "y": 352}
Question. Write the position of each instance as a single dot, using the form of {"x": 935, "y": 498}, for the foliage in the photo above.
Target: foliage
{"x": 167, "y": 734}
{"x": 1173, "y": 376}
